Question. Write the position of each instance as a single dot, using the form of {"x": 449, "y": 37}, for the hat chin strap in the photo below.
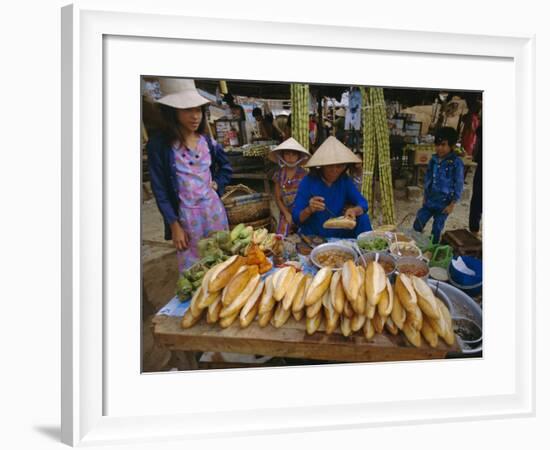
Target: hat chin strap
{"x": 283, "y": 163}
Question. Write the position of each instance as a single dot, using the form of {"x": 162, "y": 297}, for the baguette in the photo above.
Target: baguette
{"x": 196, "y": 301}
{"x": 236, "y": 305}
{"x": 360, "y": 305}
{"x": 378, "y": 323}
{"x": 213, "y": 312}
{"x": 412, "y": 335}
{"x": 312, "y": 310}
{"x": 390, "y": 326}
{"x": 340, "y": 222}
{"x": 280, "y": 317}
{"x": 246, "y": 319}
{"x": 265, "y": 318}
{"x": 337, "y": 292}
{"x": 313, "y": 323}
{"x": 405, "y": 290}
{"x": 371, "y": 310}
{"x": 267, "y": 301}
{"x": 320, "y": 284}
{"x": 297, "y": 315}
{"x": 449, "y": 336}
{"x": 375, "y": 282}
{"x": 253, "y": 299}
{"x": 208, "y": 298}
{"x": 300, "y": 300}
{"x": 348, "y": 309}
{"x": 357, "y": 322}
{"x": 415, "y": 318}
{"x": 398, "y": 313}
{"x": 236, "y": 285}
{"x": 294, "y": 289}
{"x": 226, "y": 322}
{"x": 331, "y": 316}
{"x": 351, "y": 281}
{"x": 425, "y": 298}
{"x": 189, "y": 319}
{"x": 385, "y": 305}
{"x": 224, "y": 272}
{"x": 429, "y": 334}
{"x": 345, "y": 326}
{"x": 282, "y": 281}
{"x": 368, "y": 329}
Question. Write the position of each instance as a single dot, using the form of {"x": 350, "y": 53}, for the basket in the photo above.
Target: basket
{"x": 442, "y": 256}
{"x": 267, "y": 223}
{"x": 250, "y": 207}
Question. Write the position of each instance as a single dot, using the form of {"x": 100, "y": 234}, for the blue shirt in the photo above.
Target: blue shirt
{"x": 444, "y": 181}
{"x": 341, "y": 193}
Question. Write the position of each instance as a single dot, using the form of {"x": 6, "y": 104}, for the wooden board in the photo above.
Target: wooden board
{"x": 291, "y": 341}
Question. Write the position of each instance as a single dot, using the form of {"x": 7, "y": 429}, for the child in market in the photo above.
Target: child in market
{"x": 188, "y": 170}
{"x": 443, "y": 183}
{"x": 289, "y": 156}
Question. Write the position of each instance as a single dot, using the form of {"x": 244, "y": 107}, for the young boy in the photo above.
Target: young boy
{"x": 443, "y": 183}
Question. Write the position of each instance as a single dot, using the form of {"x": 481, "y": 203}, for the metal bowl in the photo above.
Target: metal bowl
{"x": 405, "y": 247}
{"x": 370, "y": 236}
{"x": 320, "y": 249}
{"x": 382, "y": 257}
{"x": 468, "y": 330}
{"x": 412, "y": 261}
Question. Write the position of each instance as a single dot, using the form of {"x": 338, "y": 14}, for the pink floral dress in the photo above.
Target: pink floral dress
{"x": 201, "y": 210}
{"x": 289, "y": 188}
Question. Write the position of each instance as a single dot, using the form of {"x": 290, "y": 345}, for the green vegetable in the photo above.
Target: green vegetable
{"x": 373, "y": 245}
{"x": 183, "y": 288}
{"x": 236, "y": 231}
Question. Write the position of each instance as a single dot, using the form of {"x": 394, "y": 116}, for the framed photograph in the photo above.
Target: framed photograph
{"x": 106, "y": 399}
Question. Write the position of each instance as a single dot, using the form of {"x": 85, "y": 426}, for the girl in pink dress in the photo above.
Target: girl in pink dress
{"x": 289, "y": 155}
{"x": 188, "y": 171}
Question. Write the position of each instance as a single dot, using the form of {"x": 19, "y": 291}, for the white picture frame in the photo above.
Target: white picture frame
{"x": 86, "y": 263}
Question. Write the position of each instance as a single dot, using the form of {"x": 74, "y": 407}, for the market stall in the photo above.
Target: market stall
{"x": 353, "y": 300}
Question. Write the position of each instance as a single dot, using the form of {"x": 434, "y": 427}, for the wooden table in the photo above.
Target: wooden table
{"x": 291, "y": 341}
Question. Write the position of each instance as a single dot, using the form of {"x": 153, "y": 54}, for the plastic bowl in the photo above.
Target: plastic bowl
{"x": 470, "y": 284}
{"x": 323, "y": 248}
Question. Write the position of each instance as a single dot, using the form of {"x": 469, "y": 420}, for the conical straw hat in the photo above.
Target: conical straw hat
{"x": 289, "y": 144}
{"x": 332, "y": 151}
{"x": 180, "y": 94}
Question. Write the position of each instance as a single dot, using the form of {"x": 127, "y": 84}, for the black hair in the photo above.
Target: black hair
{"x": 171, "y": 124}
{"x": 268, "y": 118}
{"x": 256, "y": 112}
{"x": 448, "y": 134}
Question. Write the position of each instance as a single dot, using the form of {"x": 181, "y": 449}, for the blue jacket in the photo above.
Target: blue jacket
{"x": 341, "y": 193}
{"x": 444, "y": 181}
{"x": 162, "y": 170}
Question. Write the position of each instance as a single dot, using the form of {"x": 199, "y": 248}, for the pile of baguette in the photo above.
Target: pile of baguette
{"x": 352, "y": 299}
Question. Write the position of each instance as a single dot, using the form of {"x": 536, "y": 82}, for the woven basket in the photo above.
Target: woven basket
{"x": 250, "y": 207}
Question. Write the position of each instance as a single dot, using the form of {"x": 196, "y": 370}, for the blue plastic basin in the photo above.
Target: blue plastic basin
{"x": 470, "y": 284}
